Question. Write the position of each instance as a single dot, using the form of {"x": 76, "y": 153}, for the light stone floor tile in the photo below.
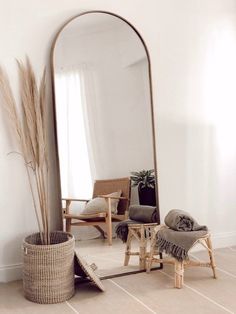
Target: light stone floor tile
{"x": 12, "y": 301}
{"x": 112, "y": 264}
{"x": 225, "y": 258}
{"x": 156, "y": 290}
{"x": 100, "y": 246}
{"x": 108, "y": 259}
{"x": 222, "y": 289}
{"x": 140, "y": 293}
{"x": 88, "y": 300}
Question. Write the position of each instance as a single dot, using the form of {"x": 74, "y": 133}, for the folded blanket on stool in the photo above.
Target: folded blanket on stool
{"x": 137, "y": 214}
{"x": 180, "y": 220}
{"x": 143, "y": 213}
{"x": 182, "y": 233}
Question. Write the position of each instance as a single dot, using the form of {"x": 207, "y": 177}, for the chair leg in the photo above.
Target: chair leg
{"x": 179, "y": 274}
{"x": 212, "y": 259}
{"x": 109, "y": 230}
{"x": 68, "y": 224}
{"x": 109, "y": 223}
{"x": 101, "y": 231}
{"x": 128, "y": 248}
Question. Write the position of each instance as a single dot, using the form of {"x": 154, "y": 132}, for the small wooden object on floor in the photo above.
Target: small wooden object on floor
{"x": 86, "y": 270}
{"x": 180, "y": 265}
{"x": 142, "y": 233}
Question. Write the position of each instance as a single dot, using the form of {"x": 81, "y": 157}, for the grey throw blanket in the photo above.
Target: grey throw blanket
{"x": 122, "y": 229}
{"x": 182, "y": 233}
{"x": 177, "y": 243}
{"x": 137, "y": 214}
{"x": 143, "y": 213}
{"x": 180, "y": 220}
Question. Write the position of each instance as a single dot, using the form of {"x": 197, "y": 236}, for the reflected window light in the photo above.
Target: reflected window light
{"x": 76, "y": 177}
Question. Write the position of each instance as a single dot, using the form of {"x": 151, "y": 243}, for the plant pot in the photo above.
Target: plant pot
{"x": 147, "y": 196}
{"x": 48, "y": 270}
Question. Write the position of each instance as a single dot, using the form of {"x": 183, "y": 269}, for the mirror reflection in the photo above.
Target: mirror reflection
{"x": 104, "y": 133}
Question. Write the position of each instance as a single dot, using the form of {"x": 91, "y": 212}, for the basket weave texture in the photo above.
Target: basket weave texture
{"x": 48, "y": 270}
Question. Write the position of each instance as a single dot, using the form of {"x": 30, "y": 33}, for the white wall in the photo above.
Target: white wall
{"x": 192, "y": 46}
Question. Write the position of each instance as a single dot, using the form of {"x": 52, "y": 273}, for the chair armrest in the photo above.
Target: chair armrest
{"x": 75, "y": 200}
{"x": 68, "y": 202}
{"x": 114, "y": 197}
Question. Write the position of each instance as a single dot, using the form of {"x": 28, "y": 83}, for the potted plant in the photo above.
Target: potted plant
{"x": 48, "y": 257}
{"x": 145, "y": 181}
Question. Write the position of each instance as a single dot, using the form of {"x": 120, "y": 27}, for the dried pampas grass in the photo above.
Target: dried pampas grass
{"x": 30, "y": 130}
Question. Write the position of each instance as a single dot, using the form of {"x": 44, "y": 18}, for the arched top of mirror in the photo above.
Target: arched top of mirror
{"x": 94, "y": 22}
{"x": 108, "y": 47}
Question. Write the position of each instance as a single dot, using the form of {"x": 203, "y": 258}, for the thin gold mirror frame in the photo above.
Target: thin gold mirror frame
{"x": 151, "y": 107}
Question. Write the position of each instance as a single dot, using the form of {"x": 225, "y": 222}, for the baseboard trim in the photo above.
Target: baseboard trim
{"x": 10, "y": 272}
{"x": 224, "y": 239}
{"x": 219, "y": 240}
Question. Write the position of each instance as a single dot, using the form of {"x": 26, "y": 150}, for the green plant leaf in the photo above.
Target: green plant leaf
{"x": 143, "y": 178}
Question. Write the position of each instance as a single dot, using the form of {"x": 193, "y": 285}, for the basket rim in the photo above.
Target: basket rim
{"x": 71, "y": 239}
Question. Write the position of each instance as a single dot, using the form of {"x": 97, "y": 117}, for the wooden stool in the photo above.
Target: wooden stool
{"x": 180, "y": 265}
{"x": 142, "y": 233}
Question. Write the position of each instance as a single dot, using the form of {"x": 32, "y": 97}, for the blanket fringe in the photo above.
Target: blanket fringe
{"x": 122, "y": 232}
{"x": 172, "y": 249}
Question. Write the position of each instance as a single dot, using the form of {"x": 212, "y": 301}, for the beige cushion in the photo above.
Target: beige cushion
{"x": 99, "y": 204}
{"x": 114, "y": 203}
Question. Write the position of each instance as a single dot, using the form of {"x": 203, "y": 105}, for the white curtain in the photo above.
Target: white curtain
{"x": 74, "y": 95}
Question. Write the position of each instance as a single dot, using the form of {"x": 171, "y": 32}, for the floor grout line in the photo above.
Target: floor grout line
{"x": 226, "y": 272}
{"x": 217, "y": 253}
{"x": 202, "y": 295}
{"x": 218, "y": 268}
{"x": 109, "y": 257}
{"x": 133, "y": 297}
{"x": 231, "y": 249}
{"x": 71, "y": 307}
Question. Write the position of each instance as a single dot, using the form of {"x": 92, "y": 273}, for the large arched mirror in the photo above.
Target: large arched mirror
{"x": 104, "y": 122}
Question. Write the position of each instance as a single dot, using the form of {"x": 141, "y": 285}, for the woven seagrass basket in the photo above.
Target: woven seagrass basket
{"x": 48, "y": 270}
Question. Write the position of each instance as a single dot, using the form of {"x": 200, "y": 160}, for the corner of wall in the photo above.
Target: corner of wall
{"x": 10, "y": 272}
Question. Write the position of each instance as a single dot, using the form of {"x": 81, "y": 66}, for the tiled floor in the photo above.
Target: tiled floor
{"x": 109, "y": 259}
{"x": 144, "y": 293}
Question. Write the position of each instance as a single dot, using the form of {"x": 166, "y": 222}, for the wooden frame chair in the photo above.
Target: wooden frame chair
{"x": 101, "y": 189}
{"x": 179, "y": 266}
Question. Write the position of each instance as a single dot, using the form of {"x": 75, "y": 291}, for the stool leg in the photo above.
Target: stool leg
{"x": 179, "y": 274}
{"x": 212, "y": 259}
{"x": 151, "y": 254}
{"x": 142, "y": 250}
{"x": 149, "y": 263}
{"x": 128, "y": 247}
